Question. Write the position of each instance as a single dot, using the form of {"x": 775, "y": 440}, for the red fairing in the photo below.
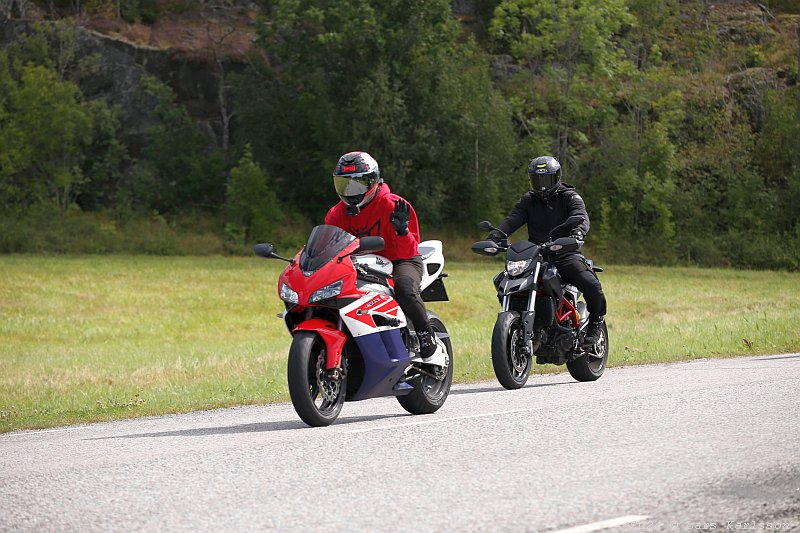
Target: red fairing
{"x": 333, "y": 338}
{"x": 330, "y": 273}
{"x": 373, "y": 220}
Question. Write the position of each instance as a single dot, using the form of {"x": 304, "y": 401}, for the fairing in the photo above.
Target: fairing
{"x": 333, "y": 338}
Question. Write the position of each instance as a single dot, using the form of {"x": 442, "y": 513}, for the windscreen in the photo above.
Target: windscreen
{"x": 323, "y": 245}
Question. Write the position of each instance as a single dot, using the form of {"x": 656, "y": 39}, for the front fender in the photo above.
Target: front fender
{"x": 333, "y": 337}
{"x": 510, "y": 285}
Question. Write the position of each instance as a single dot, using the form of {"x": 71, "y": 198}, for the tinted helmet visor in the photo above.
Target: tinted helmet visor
{"x": 352, "y": 187}
{"x": 543, "y": 182}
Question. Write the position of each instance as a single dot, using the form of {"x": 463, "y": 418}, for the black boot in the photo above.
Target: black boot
{"x": 427, "y": 343}
{"x": 594, "y": 331}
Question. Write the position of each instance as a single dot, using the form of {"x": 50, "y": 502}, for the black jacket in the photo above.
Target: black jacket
{"x": 542, "y": 215}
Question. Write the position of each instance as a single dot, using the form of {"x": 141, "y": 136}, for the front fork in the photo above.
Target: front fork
{"x": 527, "y": 316}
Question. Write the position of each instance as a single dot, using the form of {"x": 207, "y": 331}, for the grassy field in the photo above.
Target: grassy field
{"x": 93, "y": 337}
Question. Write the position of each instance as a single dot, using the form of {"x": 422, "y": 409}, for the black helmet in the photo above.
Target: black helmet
{"x": 356, "y": 179}
{"x": 545, "y": 175}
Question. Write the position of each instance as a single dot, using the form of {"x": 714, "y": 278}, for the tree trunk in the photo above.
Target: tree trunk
{"x": 22, "y": 6}
{"x": 223, "y": 107}
{"x": 5, "y": 9}
{"x": 797, "y": 30}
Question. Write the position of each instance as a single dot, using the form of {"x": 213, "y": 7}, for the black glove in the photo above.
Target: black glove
{"x": 496, "y": 236}
{"x": 400, "y": 217}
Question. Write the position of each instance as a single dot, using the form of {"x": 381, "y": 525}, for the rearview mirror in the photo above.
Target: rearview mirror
{"x": 485, "y": 248}
{"x": 264, "y": 250}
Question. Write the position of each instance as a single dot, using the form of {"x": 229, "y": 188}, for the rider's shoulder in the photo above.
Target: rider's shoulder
{"x": 568, "y": 192}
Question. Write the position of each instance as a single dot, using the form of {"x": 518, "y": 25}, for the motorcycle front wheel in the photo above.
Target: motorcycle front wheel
{"x": 429, "y": 392}
{"x": 511, "y": 367}
{"x": 590, "y": 366}
{"x": 315, "y": 396}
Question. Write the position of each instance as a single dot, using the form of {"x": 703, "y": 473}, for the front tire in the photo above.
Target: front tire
{"x": 590, "y": 366}
{"x": 510, "y": 366}
{"x": 316, "y": 398}
{"x": 430, "y": 393}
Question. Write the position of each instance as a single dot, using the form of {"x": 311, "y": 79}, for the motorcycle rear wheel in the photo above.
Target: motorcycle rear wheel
{"x": 510, "y": 366}
{"x": 430, "y": 393}
{"x": 590, "y": 366}
{"x": 316, "y": 398}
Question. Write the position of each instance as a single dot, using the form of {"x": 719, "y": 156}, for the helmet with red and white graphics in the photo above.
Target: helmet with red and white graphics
{"x": 356, "y": 179}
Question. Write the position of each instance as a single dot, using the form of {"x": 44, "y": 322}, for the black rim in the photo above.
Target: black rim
{"x": 518, "y": 363}
{"x": 597, "y": 354}
{"x": 325, "y": 393}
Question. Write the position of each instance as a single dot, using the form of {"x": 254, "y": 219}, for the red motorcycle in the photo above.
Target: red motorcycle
{"x": 351, "y": 341}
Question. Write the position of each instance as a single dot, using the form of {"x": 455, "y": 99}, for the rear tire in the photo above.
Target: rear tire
{"x": 430, "y": 393}
{"x": 590, "y": 366}
{"x": 511, "y": 368}
{"x": 317, "y": 399}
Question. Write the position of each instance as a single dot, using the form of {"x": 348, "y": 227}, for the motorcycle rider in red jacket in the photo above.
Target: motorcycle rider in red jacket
{"x": 369, "y": 208}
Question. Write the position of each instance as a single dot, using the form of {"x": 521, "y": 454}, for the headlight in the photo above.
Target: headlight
{"x": 328, "y": 291}
{"x": 515, "y": 268}
{"x": 288, "y": 295}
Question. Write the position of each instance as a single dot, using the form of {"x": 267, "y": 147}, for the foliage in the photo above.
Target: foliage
{"x": 175, "y": 171}
{"x": 251, "y": 207}
{"x": 146, "y": 11}
{"x": 677, "y": 121}
{"x": 349, "y": 75}
{"x": 568, "y": 44}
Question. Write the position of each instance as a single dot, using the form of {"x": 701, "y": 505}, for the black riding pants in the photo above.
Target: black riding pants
{"x": 407, "y": 278}
{"x": 574, "y": 270}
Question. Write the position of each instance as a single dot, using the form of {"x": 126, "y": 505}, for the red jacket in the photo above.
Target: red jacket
{"x": 373, "y": 219}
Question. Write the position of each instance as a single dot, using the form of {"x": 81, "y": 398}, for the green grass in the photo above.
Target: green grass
{"x": 94, "y": 338}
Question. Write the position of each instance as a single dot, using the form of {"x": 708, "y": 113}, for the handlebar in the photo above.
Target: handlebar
{"x": 558, "y": 246}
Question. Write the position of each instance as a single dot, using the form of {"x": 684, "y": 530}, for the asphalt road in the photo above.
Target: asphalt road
{"x": 709, "y": 445}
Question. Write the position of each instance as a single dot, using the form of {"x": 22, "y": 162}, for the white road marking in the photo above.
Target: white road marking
{"x": 439, "y": 420}
{"x": 34, "y": 432}
{"x": 605, "y": 524}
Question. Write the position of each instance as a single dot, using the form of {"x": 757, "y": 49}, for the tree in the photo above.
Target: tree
{"x": 347, "y": 75}
{"x": 251, "y": 207}
{"x": 568, "y": 48}
{"x": 53, "y": 127}
{"x": 176, "y": 170}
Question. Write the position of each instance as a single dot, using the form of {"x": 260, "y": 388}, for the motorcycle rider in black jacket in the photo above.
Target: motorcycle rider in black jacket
{"x": 544, "y": 208}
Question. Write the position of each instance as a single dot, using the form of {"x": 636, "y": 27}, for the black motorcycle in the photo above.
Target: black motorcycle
{"x": 541, "y": 316}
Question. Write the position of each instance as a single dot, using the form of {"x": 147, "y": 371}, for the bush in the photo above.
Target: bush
{"x": 251, "y": 207}
{"x": 787, "y": 6}
{"x": 45, "y": 229}
{"x": 146, "y": 11}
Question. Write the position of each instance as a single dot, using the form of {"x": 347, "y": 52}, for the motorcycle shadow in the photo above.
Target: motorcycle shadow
{"x": 478, "y": 390}
{"x": 259, "y": 427}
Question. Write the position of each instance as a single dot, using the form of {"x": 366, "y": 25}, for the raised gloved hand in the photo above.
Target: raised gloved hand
{"x": 400, "y": 217}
